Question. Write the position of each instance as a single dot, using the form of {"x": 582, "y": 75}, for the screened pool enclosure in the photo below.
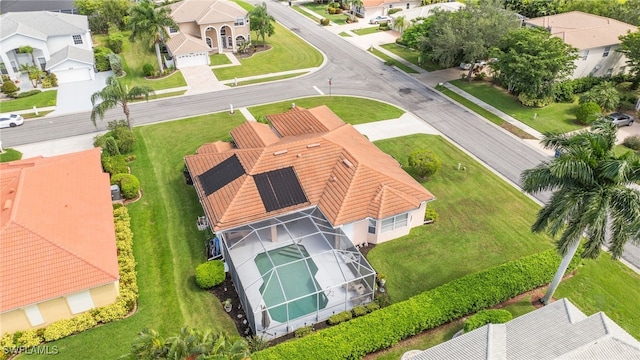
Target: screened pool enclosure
{"x": 295, "y": 270}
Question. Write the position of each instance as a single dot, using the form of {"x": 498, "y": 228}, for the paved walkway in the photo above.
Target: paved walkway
{"x": 407, "y": 124}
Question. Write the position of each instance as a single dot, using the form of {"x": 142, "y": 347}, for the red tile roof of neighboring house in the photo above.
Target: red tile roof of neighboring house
{"x": 582, "y": 30}
{"x": 339, "y": 170}
{"x": 56, "y": 228}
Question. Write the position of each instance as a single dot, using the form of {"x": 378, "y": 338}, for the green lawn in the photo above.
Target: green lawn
{"x": 305, "y": 13}
{"x": 43, "y": 99}
{"x": 392, "y": 62}
{"x": 367, "y": 30}
{"x": 167, "y": 244}
{"x": 321, "y": 9}
{"x": 344, "y": 34}
{"x": 485, "y": 113}
{"x": 10, "y": 155}
{"x": 484, "y": 222}
{"x": 272, "y": 78}
{"x": 412, "y": 56}
{"x": 351, "y": 110}
{"x": 218, "y": 59}
{"x": 557, "y": 117}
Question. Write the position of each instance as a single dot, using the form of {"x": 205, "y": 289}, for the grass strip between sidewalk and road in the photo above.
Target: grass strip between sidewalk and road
{"x": 392, "y": 62}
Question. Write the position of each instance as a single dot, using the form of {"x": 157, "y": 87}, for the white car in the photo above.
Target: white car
{"x": 380, "y": 19}
{"x": 10, "y": 120}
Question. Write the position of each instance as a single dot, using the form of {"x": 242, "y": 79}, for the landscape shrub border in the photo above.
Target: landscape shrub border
{"x": 484, "y": 317}
{"x": 386, "y": 327}
{"x": 125, "y": 302}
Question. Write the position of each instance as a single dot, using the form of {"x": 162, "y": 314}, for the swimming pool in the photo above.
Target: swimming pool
{"x": 298, "y": 282}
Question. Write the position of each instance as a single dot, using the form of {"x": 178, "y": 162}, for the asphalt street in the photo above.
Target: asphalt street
{"x": 353, "y": 72}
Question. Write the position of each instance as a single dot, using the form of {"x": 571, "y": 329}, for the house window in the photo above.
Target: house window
{"x": 584, "y": 54}
{"x": 395, "y": 222}
{"x": 173, "y": 30}
{"x": 372, "y": 226}
{"x": 34, "y": 315}
{"x": 80, "y": 302}
{"x": 606, "y": 51}
{"x": 239, "y": 22}
{"x": 77, "y": 39}
{"x": 209, "y": 42}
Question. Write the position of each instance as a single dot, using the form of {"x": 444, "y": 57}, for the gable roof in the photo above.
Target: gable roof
{"x": 558, "y": 330}
{"x": 582, "y": 30}
{"x": 42, "y": 24}
{"x": 336, "y": 167}
{"x": 73, "y": 53}
{"x": 204, "y": 12}
{"x": 56, "y": 227}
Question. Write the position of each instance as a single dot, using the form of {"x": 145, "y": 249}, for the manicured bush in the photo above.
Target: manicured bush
{"x": 340, "y": 317}
{"x": 372, "y": 306}
{"x": 29, "y": 93}
{"x": 424, "y": 162}
{"x": 632, "y": 142}
{"x": 393, "y": 11}
{"x": 148, "y": 70}
{"x": 563, "y": 92}
{"x": 124, "y": 137}
{"x": 386, "y": 327}
{"x": 129, "y": 184}
{"x": 111, "y": 146}
{"x": 584, "y": 84}
{"x": 59, "y": 329}
{"x": 324, "y": 22}
{"x": 116, "y": 64}
{"x": 52, "y": 78}
{"x": 588, "y": 112}
{"x": 114, "y": 164}
{"x": 534, "y": 101}
{"x": 9, "y": 87}
{"x": 304, "y": 331}
{"x": 359, "y": 311}
{"x": 30, "y": 338}
{"x": 115, "y": 41}
{"x": 210, "y": 274}
{"x": 484, "y": 317}
{"x": 101, "y": 55}
{"x": 430, "y": 214}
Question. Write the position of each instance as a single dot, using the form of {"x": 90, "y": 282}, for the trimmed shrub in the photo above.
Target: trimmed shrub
{"x": 129, "y": 184}
{"x": 210, "y": 274}
{"x": 30, "y": 338}
{"x": 324, "y": 22}
{"x": 484, "y": 317}
{"x": 632, "y": 142}
{"x": 304, "y": 331}
{"x": 115, "y": 41}
{"x": 29, "y": 93}
{"x": 588, "y": 112}
{"x": 386, "y": 327}
{"x": 585, "y": 84}
{"x": 393, "y": 11}
{"x": 9, "y": 87}
{"x": 359, "y": 311}
{"x": 111, "y": 146}
{"x": 59, "y": 329}
{"x": 124, "y": 137}
{"x": 563, "y": 92}
{"x": 148, "y": 70}
{"x": 116, "y": 64}
{"x": 49, "y": 81}
{"x": 424, "y": 162}
{"x": 340, "y": 317}
{"x": 430, "y": 214}
{"x": 114, "y": 164}
{"x": 101, "y": 55}
{"x": 537, "y": 102}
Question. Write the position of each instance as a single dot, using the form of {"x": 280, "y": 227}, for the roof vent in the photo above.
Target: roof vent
{"x": 7, "y": 204}
{"x": 348, "y": 163}
{"x": 280, "y": 152}
{"x": 333, "y": 179}
{"x": 313, "y": 145}
{"x": 299, "y": 155}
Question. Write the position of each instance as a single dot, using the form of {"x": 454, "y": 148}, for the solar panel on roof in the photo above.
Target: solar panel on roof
{"x": 220, "y": 175}
{"x": 279, "y": 189}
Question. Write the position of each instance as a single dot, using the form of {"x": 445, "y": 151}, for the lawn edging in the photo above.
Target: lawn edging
{"x": 386, "y": 327}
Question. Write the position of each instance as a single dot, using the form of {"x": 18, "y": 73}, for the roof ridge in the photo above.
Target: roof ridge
{"x": 349, "y": 186}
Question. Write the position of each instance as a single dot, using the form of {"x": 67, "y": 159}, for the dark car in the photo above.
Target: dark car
{"x": 620, "y": 119}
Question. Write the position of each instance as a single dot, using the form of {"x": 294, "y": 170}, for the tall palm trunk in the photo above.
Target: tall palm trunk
{"x": 125, "y": 109}
{"x": 157, "y": 45}
{"x": 560, "y": 272}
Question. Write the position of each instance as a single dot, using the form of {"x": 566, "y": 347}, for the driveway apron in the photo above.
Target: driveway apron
{"x": 200, "y": 79}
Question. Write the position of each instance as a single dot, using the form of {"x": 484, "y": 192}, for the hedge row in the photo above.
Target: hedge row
{"x": 125, "y": 301}
{"x": 383, "y": 328}
{"x": 484, "y": 317}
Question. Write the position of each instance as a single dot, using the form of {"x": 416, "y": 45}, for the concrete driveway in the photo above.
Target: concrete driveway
{"x": 76, "y": 96}
{"x": 626, "y": 131}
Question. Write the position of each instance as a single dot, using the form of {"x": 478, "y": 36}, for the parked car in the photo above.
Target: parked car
{"x": 620, "y": 119}
{"x": 467, "y": 66}
{"x": 10, "y": 120}
{"x": 380, "y": 19}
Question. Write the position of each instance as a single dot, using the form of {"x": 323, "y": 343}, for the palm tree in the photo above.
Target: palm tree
{"x": 150, "y": 23}
{"x": 400, "y": 24}
{"x": 147, "y": 345}
{"x": 591, "y": 195}
{"x": 605, "y": 94}
{"x": 354, "y": 4}
{"x": 114, "y": 94}
{"x": 261, "y": 22}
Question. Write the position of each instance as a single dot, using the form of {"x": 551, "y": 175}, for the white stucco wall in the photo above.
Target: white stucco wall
{"x": 598, "y": 65}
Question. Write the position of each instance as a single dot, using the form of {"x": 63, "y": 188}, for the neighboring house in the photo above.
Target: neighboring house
{"x": 595, "y": 37}
{"x": 372, "y": 8}
{"x": 204, "y": 27}
{"x": 428, "y": 10}
{"x": 65, "y": 6}
{"x": 301, "y": 193}
{"x": 61, "y": 44}
{"x": 58, "y": 254}
{"x": 556, "y": 331}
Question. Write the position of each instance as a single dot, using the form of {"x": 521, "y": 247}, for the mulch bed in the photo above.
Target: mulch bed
{"x": 252, "y": 50}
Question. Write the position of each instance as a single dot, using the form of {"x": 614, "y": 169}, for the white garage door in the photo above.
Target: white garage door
{"x": 72, "y": 75}
{"x": 191, "y": 60}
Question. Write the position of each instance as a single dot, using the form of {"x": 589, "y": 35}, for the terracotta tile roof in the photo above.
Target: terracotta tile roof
{"x": 252, "y": 135}
{"x": 206, "y": 11}
{"x": 56, "y": 228}
{"x": 340, "y": 171}
{"x": 582, "y": 30}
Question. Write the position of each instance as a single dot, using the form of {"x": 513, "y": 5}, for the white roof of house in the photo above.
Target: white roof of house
{"x": 582, "y": 30}
{"x": 42, "y": 24}
{"x": 204, "y": 12}
{"x": 556, "y": 331}
{"x": 70, "y": 53}
{"x": 428, "y": 10}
